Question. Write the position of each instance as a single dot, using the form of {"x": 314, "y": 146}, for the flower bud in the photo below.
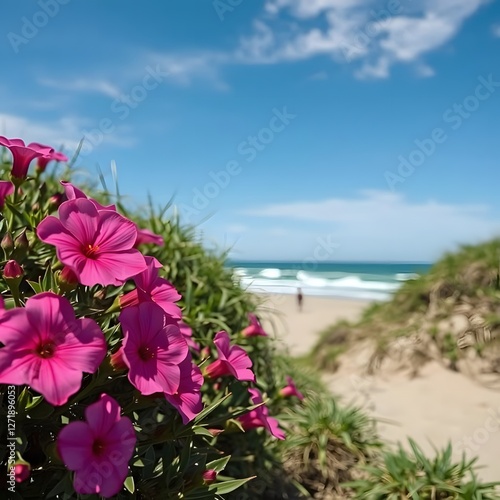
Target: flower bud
{"x": 67, "y": 279}
{"x": 55, "y": 200}
{"x": 209, "y": 476}
{"x": 13, "y": 270}
{"x": 22, "y": 471}
{"x": 7, "y": 244}
{"x": 21, "y": 246}
{"x": 117, "y": 362}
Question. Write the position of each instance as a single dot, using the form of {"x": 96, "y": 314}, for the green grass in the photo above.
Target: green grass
{"x": 403, "y": 474}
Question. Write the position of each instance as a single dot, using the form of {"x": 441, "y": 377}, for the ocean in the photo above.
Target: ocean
{"x": 354, "y": 280}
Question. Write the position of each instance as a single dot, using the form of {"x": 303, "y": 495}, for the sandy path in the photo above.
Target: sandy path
{"x": 299, "y": 330}
{"x": 436, "y": 407}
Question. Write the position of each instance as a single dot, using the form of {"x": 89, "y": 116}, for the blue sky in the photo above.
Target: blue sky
{"x": 279, "y": 125}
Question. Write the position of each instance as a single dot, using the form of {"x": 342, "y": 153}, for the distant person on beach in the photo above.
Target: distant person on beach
{"x": 300, "y": 298}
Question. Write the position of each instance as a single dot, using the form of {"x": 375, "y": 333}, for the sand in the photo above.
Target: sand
{"x": 437, "y": 407}
{"x": 298, "y": 330}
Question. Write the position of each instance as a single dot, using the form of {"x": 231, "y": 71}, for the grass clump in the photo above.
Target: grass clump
{"x": 405, "y": 474}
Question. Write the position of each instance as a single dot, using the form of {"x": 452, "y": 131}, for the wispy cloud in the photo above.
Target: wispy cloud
{"x": 373, "y": 35}
{"x": 495, "y": 30}
{"x": 389, "y": 224}
{"x": 66, "y": 131}
{"x": 185, "y": 69}
{"x": 91, "y": 85}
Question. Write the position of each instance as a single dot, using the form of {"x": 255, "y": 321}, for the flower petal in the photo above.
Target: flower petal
{"x": 74, "y": 445}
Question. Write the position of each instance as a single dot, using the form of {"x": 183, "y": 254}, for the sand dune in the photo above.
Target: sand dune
{"x": 434, "y": 408}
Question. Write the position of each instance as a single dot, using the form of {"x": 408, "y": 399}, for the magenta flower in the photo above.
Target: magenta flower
{"x": 187, "y": 333}
{"x": 99, "y": 449}
{"x": 291, "y": 389}
{"x": 150, "y": 287}
{"x": 153, "y": 348}
{"x": 46, "y": 347}
{"x": 6, "y": 189}
{"x": 255, "y": 328}
{"x": 96, "y": 245}
{"x": 187, "y": 400}
{"x": 41, "y": 163}
{"x": 232, "y": 360}
{"x": 23, "y": 155}
{"x": 147, "y": 236}
{"x": 260, "y": 417}
{"x": 73, "y": 193}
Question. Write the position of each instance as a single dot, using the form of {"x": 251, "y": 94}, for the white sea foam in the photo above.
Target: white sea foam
{"x": 321, "y": 287}
{"x": 270, "y": 273}
{"x": 407, "y": 276}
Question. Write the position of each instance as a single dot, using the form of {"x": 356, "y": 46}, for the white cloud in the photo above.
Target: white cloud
{"x": 380, "y": 224}
{"x": 495, "y": 30}
{"x": 66, "y": 131}
{"x": 83, "y": 85}
{"x": 373, "y": 34}
{"x": 184, "y": 69}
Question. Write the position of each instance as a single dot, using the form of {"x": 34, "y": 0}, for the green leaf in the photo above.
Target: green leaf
{"x": 229, "y": 486}
{"x": 129, "y": 484}
{"x": 219, "y": 465}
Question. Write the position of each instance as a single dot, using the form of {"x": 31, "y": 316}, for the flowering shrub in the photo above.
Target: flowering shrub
{"x": 130, "y": 373}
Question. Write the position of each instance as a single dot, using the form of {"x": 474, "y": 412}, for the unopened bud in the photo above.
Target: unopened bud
{"x": 7, "y": 244}
{"x": 55, "y": 200}
{"x": 67, "y": 279}
{"x": 21, "y": 246}
{"x": 12, "y": 270}
{"x": 22, "y": 471}
{"x": 209, "y": 476}
{"x": 117, "y": 362}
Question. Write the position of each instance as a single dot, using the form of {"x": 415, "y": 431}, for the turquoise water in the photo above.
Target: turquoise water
{"x": 357, "y": 280}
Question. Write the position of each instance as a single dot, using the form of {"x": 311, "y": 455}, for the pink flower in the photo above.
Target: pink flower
{"x": 187, "y": 400}
{"x": 187, "y": 333}
{"x": 150, "y": 287}
{"x": 6, "y": 189}
{"x": 42, "y": 161}
{"x": 260, "y": 417}
{"x": 153, "y": 348}
{"x": 22, "y": 472}
{"x": 147, "y": 236}
{"x": 255, "y": 328}
{"x": 73, "y": 193}
{"x": 96, "y": 245}
{"x": 47, "y": 348}
{"x": 23, "y": 155}
{"x": 291, "y": 389}
{"x": 99, "y": 449}
{"x": 233, "y": 360}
